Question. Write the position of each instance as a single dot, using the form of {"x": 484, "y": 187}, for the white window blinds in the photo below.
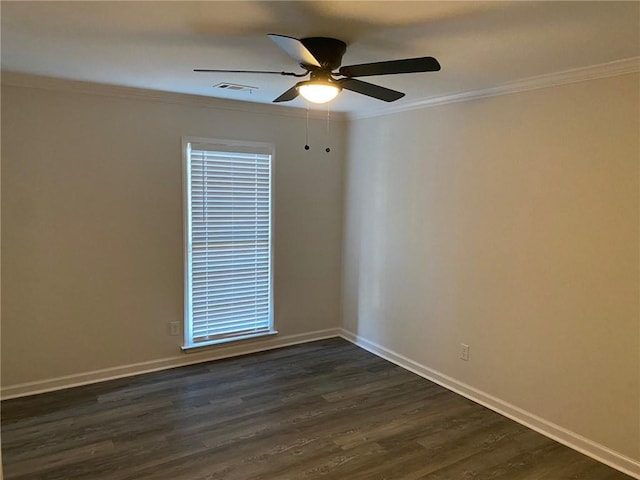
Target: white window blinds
{"x": 228, "y": 243}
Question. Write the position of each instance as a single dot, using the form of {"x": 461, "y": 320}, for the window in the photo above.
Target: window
{"x": 228, "y": 260}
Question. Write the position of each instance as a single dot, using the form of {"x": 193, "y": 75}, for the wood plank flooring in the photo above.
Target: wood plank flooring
{"x": 322, "y": 410}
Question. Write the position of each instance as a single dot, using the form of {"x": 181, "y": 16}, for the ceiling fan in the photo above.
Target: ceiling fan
{"x": 321, "y": 56}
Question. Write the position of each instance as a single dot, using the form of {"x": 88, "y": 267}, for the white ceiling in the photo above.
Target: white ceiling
{"x": 155, "y": 45}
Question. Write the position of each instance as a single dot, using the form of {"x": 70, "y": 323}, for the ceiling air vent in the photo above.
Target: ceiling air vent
{"x": 235, "y": 87}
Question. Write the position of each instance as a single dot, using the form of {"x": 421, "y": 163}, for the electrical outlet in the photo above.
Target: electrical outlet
{"x": 174, "y": 328}
{"x": 464, "y": 352}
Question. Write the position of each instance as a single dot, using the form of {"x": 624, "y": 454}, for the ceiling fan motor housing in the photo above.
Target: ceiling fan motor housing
{"x": 327, "y": 51}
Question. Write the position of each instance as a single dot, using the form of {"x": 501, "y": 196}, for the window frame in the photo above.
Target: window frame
{"x": 264, "y": 148}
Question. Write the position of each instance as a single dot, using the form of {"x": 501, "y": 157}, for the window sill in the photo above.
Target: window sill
{"x": 222, "y": 341}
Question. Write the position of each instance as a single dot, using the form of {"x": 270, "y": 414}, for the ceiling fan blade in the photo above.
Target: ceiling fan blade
{"x": 289, "y": 74}
{"x": 295, "y": 49}
{"x": 371, "y": 90}
{"x": 288, "y": 95}
{"x": 392, "y": 67}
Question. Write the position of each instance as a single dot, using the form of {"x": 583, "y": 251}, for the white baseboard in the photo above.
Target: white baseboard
{"x": 566, "y": 437}
{"x": 229, "y": 350}
{"x": 562, "y": 435}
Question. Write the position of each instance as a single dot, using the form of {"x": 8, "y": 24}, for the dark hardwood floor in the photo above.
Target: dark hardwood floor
{"x": 325, "y": 410}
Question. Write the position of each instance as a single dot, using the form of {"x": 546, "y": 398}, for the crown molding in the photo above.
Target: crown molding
{"x": 25, "y": 80}
{"x": 609, "y": 69}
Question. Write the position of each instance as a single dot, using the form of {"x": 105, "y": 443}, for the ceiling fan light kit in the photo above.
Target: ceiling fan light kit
{"x": 320, "y": 57}
{"x": 320, "y": 89}
{"x": 317, "y": 91}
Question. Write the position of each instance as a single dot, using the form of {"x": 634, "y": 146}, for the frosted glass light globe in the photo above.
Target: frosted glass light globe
{"x": 317, "y": 92}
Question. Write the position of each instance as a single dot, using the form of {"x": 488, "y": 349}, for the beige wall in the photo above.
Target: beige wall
{"x": 510, "y": 224}
{"x": 92, "y": 245}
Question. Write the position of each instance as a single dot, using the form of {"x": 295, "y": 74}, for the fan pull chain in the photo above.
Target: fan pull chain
{"x": 306, "y": 132}
{"x": 328, "y": 149}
